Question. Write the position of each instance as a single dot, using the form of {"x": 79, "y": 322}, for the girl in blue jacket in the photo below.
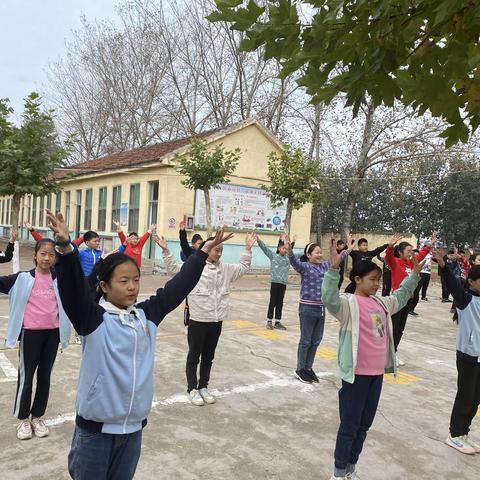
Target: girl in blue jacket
{"x": 115, "y": 387}
{"x": 38, "y": 320}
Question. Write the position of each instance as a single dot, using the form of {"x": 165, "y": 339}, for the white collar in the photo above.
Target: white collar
{"x": 111, "y": 308}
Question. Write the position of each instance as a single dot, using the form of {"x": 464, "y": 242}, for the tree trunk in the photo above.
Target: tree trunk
{"x": 360, "y": 171}
{"x": 288, "y": 217}
{"x": 17, "y": 198}
{"x": 208, "y": 211}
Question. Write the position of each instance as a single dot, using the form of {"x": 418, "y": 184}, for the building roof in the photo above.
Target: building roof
{"x": 153, "y": 153}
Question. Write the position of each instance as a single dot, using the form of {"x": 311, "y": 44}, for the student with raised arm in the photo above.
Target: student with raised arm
{"x": 401, "y": 263}
{"x": 186, "y": 249}
{"x": 38, "y": 236}
{"x": 311, "y": 310}
{"x": 7, "y": 256}
{"x": 279, "y": 268}
{"x": 363, "y": 253}
{"x": 37, "y": 319}
{"x": 209, "y": 303}
{"x": 115, "y": 387}
{"x": 365, "y": 350}
{"x": 133, "y": 244}
{"x": 467, "y": 300}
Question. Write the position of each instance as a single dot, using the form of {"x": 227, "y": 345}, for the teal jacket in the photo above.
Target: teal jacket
{"x": 280, "y": 265}
{"x": 344, "y": 308}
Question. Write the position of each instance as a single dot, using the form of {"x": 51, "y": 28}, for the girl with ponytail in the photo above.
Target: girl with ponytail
{"x": 365, "y": 351}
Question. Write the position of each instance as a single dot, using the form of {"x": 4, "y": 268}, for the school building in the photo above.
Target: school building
{"x": 141, "y": 187}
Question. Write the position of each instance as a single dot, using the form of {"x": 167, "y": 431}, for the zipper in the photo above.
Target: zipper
{"x": 134, "y": 380}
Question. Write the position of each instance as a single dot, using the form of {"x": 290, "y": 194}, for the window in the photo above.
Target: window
{"x": 152, "y": 212}
{"x": 2, "y": 205}
{"x": 102, "y": 209}
{"x": 134, "y": 205}
{"x": 87, "y": 220}
{"x": 29, "y": 208}
{"x": 41, "y": 211}
{"x": 9, "y": 211}
{"x": 49, "y": 201}
{"x": 116, "y": 200}
{"x": 34, "y": 211}
{"x": 67, "y": 208}
{"x": 152, "y": 202}
{"x": 58, "y": 202}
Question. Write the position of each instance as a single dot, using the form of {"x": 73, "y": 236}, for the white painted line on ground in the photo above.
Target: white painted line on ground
{"x": 9, "y": 370}
{"x": 275, "y": 380}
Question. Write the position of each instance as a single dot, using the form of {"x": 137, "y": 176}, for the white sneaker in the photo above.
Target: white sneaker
{"x": 400, "y": 363}
{"x": 461, "y": 444}
{"x": 475, "y": 445}
{"x": 196, "y": 398}
{"x": 39, "y": 428}
{"x": 207, "y": 396}
{"x": 24, "y": 430}
{"x": 333, "y": 477}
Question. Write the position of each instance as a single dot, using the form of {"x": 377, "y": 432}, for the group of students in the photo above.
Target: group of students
{"x": 117, "y": 331}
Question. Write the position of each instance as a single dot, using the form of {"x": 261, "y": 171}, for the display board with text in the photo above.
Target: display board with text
{"x": 240, "y": 207}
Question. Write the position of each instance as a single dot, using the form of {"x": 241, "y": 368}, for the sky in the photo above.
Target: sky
{"x": 33, "y": 34}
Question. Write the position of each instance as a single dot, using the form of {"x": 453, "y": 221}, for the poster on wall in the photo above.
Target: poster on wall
{"x": 240, "y": 207}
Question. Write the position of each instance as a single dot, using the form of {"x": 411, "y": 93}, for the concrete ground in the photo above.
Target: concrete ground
{"x": 266, "y": 424}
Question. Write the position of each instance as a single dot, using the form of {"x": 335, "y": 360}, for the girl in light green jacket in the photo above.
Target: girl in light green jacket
{"x": 365, "y": 350}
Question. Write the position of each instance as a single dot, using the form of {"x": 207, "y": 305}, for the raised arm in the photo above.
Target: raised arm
{"x": 146, "y": 235}
{"x": 8, "y": 255}
{"x": 265, "y": 249}
{"x": 455, "y": 286}
{"x": 297, "y": 265}
{"x": 389, "y": 254}
{"x": 78, "y": 241}
{"x": 120, "y": 233}
{"x": 172, "y": 266}
{"x": 235, "y": 271}
{"x": 175, "y": 291}
{"x": 377, "y": 251}
{"x": 75, "y": 292}
{"x": 186, "y": 248}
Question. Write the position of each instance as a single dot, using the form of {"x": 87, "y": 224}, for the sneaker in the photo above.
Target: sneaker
{"x": 400, "y": 363}
{"x": 351, "y": 476}
{"x": 425, "y": 299}
{"x": 303, "y": 376}
{"x": 313, "y": 375}
{"x": 280, "y": 326}
{"x": 415, "y": 314}
{"x": 333, "y": 477}
{"x": 196, "y": 398}
{"x": 207, "y": 396}
{"x": 476, "y": 446}
{"x": 269, "y": 325}
{"x": 77, "y": 340}
{"x": 24, "y": 430}
{"x": 446, "y": 300}
{"x": 39, "y": 428}
{"x": 461, "y": 444}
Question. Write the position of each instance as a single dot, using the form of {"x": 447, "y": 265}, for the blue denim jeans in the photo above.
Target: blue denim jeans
{"x": 104, "y": 456}
{"x": 312, "y": 323}
{"x": 358, "y": 402}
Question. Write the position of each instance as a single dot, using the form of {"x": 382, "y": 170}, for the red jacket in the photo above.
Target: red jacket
{"x": 401, "y": 268}
{"x": 134, "y": 251}
{"x": 38, "y": 236}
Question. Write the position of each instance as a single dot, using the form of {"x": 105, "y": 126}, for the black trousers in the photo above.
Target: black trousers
{"x": 415, "y": 298}
{"x": 387, "y": 283}
{"x": 424, "y": 283}
{"x": 37, "y": 352}
{"x": 467, "y": 399}
{"x": 445, "y": 291}
{"x": 277, "y": 294}
{"x": 202, "y": 343}
{"x": 399, "y": 320}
